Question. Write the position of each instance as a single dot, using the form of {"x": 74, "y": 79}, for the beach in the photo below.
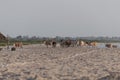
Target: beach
{"x": 37, "y": 62}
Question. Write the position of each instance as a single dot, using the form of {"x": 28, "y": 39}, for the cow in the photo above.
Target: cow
{"x": 114, "y": 46}
{"x": 52, "y": 43}
{"x": 13, "y": 49}
{"x": 92, "y": 44}
{"x": 18, "y": 44}
{"x": 65, "y": 43}
{"x": 47, "y": 43}
{"x": 108, "y": 45}
{"x": 73, "y": 43}
{"x": 80, "y": 43}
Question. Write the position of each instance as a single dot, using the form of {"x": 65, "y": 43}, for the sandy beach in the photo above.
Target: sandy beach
{"x": 36, "y": 62}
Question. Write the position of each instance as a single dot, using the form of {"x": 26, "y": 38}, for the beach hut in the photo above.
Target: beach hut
{"x": 4, "y": 38}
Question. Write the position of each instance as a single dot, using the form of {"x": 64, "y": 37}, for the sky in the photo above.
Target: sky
{"x": 50, "y": 18}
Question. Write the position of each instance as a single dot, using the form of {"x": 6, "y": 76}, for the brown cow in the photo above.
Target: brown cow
{"x": 18, "y": 44}
{"x": 108, "y": 45}
{"x": 114, "y": 46}
{"x": 93, "y": 44}
{"x": 52, "y": 43}
{"x": 47, "y": 43}
{"x": 65, "y": 43}
{"x": 80, "y": 43}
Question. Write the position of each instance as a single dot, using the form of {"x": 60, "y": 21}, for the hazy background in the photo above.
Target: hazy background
{"x": 60, "y": 17}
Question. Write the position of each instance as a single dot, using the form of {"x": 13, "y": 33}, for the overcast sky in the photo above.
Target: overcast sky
{"x": 60, "y": 17}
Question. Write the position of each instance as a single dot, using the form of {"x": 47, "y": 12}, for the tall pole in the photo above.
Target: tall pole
{"x": 8, "y": 42}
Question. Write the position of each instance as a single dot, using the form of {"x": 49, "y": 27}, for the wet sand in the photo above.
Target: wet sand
{"x": 36, "y": 62}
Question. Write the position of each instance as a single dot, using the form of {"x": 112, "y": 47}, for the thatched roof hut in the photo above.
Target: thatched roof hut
{"x": 2, "y": 37}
